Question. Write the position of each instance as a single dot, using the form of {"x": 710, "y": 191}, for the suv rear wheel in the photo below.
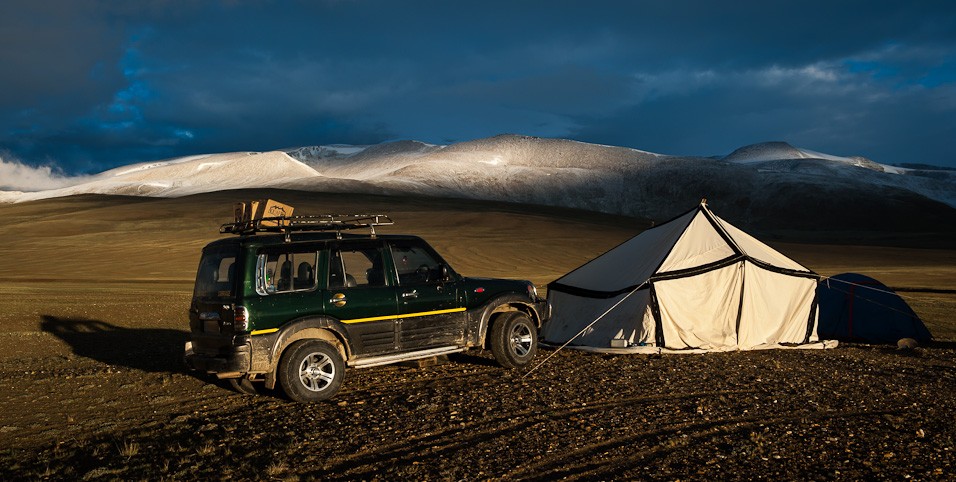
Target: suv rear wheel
{"x": 311, "y": 371}
{"x": 514, "y": 339}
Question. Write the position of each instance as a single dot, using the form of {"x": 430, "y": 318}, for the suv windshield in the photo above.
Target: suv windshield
{"x": 217, "y": 274}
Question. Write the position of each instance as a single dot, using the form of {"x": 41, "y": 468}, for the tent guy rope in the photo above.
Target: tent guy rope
{"x": 529, "y": 372}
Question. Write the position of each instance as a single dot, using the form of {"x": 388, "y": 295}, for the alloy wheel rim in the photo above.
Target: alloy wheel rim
{"x": 521, "y": 339}
{"x": 316, "y": 372}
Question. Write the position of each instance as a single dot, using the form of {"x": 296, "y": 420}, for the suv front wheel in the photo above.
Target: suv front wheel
{"x": 514, "y": 339}
{"x": 311, "y": 371}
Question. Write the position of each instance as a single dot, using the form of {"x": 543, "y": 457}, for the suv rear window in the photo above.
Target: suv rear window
{"x": 216, "y": 277}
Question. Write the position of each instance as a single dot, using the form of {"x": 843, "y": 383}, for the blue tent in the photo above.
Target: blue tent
{"x": 854, "y": 307}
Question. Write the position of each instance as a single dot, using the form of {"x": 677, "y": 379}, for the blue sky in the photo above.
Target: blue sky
{"x": 89, "y": 85}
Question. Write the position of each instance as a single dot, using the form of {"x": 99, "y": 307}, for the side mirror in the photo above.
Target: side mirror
{"x": 445, "y": 275}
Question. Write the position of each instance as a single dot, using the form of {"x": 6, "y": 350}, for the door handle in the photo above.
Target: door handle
{"x": 338, "y": 299}
{"x": 411, "y": 294}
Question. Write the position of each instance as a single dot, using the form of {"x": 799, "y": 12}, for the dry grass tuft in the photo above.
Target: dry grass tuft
{"x": 207, "y": 449}
{"x": 129, "y": 449}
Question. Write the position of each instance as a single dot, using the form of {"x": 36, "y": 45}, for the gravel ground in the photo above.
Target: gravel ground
{"x": 92, "y": 325}
{"x": 852, "y": 413}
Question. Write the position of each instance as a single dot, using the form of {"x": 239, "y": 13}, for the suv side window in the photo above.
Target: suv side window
{"x": 285, "y": 272}
{"x": 415, "y": 265}
{"x": 357, "y": 267}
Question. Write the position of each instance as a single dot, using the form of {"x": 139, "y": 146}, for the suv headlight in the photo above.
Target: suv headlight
{"x": 532, "y": 291}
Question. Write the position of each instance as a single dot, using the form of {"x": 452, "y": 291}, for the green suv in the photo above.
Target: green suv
{"x": 294, "y": 300}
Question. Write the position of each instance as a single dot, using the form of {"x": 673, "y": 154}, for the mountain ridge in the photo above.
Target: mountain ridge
{"x": 750, "y": 184}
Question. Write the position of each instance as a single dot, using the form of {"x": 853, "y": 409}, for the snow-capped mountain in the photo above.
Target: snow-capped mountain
{"x": 752, "y": 185}
{"x": 778, "y": 151}
{"x": 184, "y": 176}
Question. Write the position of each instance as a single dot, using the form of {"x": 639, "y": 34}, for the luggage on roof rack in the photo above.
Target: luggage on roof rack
{"x": 321, "y": 222}
{"x": 261, "y": 209}
{"x": 269, "y": 216}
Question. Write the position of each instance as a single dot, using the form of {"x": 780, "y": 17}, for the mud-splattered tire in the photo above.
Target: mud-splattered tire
{"x": 514, "y": 339}
{"x": 311, "y": 371}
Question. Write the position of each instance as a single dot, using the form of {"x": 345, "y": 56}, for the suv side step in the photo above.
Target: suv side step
{"x": 385, "y": 360}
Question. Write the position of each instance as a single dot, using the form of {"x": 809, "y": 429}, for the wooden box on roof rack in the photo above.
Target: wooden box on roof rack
{"x": 262, "y": 208}
{"x": 267, "y": 208}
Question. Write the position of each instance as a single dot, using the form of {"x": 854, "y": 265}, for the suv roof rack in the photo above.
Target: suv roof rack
{"x": 321, "y": 222}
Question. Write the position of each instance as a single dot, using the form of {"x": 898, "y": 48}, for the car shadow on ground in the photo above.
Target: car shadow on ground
{"x": 469, "y": 358}
{"x": 148, "y": 349}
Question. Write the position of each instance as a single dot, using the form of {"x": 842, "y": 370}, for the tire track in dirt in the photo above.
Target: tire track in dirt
{"x": 383, "y": 383}
{"x": 429, "y": 445}
{"x": 594, "y": 468}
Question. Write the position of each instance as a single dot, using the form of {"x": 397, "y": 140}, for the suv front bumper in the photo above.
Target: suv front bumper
{"x": 543, "y": 308}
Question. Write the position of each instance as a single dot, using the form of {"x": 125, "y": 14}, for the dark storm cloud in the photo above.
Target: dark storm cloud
{"x": 62, "y": 55}
{"x": 89, "y": 85}
{"x": 818, "y": 108}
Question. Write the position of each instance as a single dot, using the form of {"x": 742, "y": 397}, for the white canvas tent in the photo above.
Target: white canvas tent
{"x": 695, "y": 283}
